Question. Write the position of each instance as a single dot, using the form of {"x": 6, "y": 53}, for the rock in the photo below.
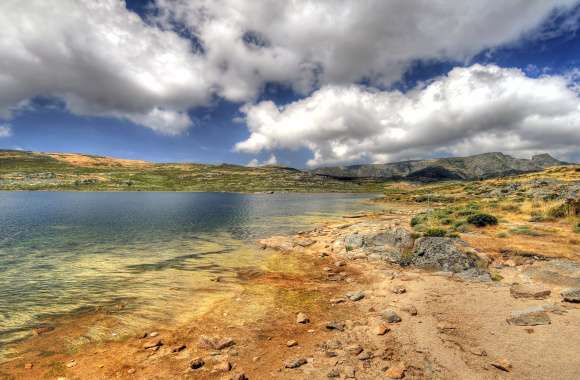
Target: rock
{"x": 398, "y": 289}
{"x": 382, "y": 329}
{"x": 395, "y": 237}
{"x": 529, "y": 317}
{"x": 240, "y": 376}
{"x": 411, "y": 309}
{"x": 305, "y": 243}
{"x": 197, "y": 363}
{"x": 529, "y": 291}
{"x": 365, "y": 355}
{"x": 215, "y": 343}
{"x": 28, "y": 366}
{"x": 390, "y": 316}
{"x": 353, "y": 241}
{"x": 354, "y": 349}
{"x": 179, "y": 348}
{"x": 355, "y": 296}
{"x": 131, "y": 371}
{"x": 336, "y": 301}
{"x": 333, "y": 374}
{"x": 153, "y": 334}
{"x": 224, "y": 366}
{"x": 502, "y": 364}
{"x": 396, "y": 371}
{"x": 339, "y": 263}
{"x": 554, "y": 308}
{"x": 302, "y": 318}
{"x": 153, "y": 344}
{"x": 349, "y": 372}
{"x": 330, "y": 354}
{"x": 295, "y": 363}
{"x": 291, "y": 343}
{"x": 335, "y": 326}
{"x": 443, "y": 254}
{"x": 571, "y": 295}
{"x": 71, "y": 364}
{"x": 42, "y": 330}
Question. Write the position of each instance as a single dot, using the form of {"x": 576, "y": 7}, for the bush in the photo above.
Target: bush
{"x": 482, "y": 220}
{"x": 436, "y": 232}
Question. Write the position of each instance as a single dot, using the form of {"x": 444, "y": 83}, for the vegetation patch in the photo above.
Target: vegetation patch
{"x": 482, "y": 220}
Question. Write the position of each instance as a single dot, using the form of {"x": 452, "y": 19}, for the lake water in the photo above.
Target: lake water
{"x": 148, "y": 252}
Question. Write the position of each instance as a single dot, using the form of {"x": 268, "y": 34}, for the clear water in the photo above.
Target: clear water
{"x": 150, "y": 252}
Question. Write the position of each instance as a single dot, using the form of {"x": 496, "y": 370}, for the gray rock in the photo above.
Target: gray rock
{"x": 571, "y": 295}
{"x": 395, "y": 237}
{"x": 355, "y": 296}
{"x": 302, "y": 318}
{"x": 353, "y": 241}
{"x": 529, "y": 291}
{"x": 532, "y": 316}
{"x": 197, "y": 363}
{"x": 443, "y": 254}
{"x": 333, "y": 374}
{"x": 391, "y": 316}
{"x": 335, "y": 326}
{"x": 295, "y": 363}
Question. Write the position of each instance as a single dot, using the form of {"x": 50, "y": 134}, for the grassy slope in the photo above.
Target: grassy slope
{"x": 58, "y": 172}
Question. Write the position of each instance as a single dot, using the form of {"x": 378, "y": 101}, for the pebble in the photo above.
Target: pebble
{"x": 382, "y": 329}
{"x": 240, "y": 376}
{"x": 131, "y": 371}
{"x": 291, "y": 343}
{"x": 215, "y": 342}
{"x": 28, "y": 365}
{"x": 349, "y": 372}
{"x": 339, "y": 264}
{"x": 197, "y": 363}
{"x": 412, "y": 310}
{"x": 502, "y": 364}
{"x": 571, "y": 295}
{"x": 529, "y": 291}
{"x": 333, "y": 374}
{"x": 302, "y": 318}
{"x": 153, "y": 344}
{"x": 365, "y": 355}
{"x": 225, "y": 366}
{"x": 71, "y": 364}
{"x": 153, "y": 334}
{"x": 355, "y": 296}
{"x": 335, "y": 326}
{"x": 390, "y": 316}
{"x": 398, "y": 290}
{"x": 295, "y": 363}
{"x": 179, "y": 348}
{"x": 354, "y": 349}
{"x": 336, "y": 301}
{"x": 396, "y": 371}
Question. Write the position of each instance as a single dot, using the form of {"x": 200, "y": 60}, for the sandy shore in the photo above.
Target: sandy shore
{"x": 342, "y": 315}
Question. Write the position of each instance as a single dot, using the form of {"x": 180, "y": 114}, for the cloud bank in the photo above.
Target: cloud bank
{"x": 473, "y": 109}
{"x": 102, "y": 60}
{"x": 5, "y": 130}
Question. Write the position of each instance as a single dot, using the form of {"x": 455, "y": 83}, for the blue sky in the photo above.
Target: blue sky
{"x": 51, "y": 121}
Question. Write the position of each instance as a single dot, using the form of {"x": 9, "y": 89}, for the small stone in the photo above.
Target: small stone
{"x": 333, "y": 374}
{"x": 354, "y": 349}
{"x": 295, "y": 363}
{"x": 197, "y": 363}
{"x": 502, "y": 364}
{"x": 330, "y": 354}
{"x": 336, "y": 301}
{"x": 42, "y": 330}
{"x": 571, "y": 295}
{"x": 28, "y": 366}
{"x": 131, "y": 371}
{"x": 153, "y": 344}
{"x": 365, "y": 355}
{"x": 529, "y": 317}
{"x": 71, "y": 364}
{"x": 355, "y": 296}
{"x": 529, "y": 291}
{"x": 335, "y": 326}
{"x": 390, "y": 316}
{"x": 215, "y": 343}
{"x": 153, "y": 334}
{"x": 225, "y": 366}
{"x": 339, "y": 264}
{"x": 179, "y": 348}
{"x": 382, "y": 329}
{"x": 478, "y": 351}
{"x": 291, "y": 343}
{"x": 302, "y": 318}
{"x": 412, "y": 310}
{"x": 396, "y": 371}
{"x": 398, "y": 290}
{"x": 349, "y": 372}
{"x": 240, "y": 376}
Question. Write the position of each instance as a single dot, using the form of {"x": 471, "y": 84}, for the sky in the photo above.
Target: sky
{"x": 295, "y": 83}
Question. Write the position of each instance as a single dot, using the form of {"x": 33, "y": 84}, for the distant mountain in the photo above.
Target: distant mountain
{"x": 484, "y": 165}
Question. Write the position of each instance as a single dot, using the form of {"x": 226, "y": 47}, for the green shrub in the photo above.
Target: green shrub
{"x": 482, "y": 220}
{"x": 436, "y": 232}
{"x": 417, "y": 219}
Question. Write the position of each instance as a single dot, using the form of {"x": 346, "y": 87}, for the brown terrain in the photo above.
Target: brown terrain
{"x": 375, "y": 300}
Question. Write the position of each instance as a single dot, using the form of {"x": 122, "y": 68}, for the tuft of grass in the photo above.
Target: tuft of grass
{"x": 436, "y": 232}
{"x": 525, "y": 230}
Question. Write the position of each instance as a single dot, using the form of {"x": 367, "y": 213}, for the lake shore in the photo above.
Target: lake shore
{"x": 344, "y": 314}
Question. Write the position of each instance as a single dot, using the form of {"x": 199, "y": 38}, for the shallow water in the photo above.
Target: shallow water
{"x": 153, "y": 254}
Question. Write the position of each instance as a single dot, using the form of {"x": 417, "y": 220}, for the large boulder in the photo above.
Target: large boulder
{"x": 443, "y": 254}
{"x": 389, "y": 244}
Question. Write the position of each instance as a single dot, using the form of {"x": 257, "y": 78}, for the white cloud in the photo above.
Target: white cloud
{"x": 272, "y": 160}
{"x": 473, "y": 109}
{"x": 5, "y": 130}
{"x": 102, "y": 60}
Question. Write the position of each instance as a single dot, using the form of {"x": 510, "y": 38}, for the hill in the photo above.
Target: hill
{"x": 479, "y": 166}
{"x": 22, "y": 170}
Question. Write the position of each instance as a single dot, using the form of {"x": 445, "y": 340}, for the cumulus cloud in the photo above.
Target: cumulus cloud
{"x": 5, "y": 130}
{"x": 272, "y": 160}
{"x": 472, "y": 109}
{"x": 101, "y": 59}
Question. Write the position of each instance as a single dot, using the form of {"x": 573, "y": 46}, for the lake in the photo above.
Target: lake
{"x": 151, "y": 255}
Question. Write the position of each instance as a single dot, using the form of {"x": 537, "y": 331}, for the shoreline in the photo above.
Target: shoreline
{"x": 449, "y": 327}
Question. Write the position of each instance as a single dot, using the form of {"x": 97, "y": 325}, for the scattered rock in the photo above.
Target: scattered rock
{"x": 42, "y": 330}
{"x": 502, "y": 364}
{"x": 295, "y": 363}
{"x": 71, "y": 364}
{"x": 333, "y": 374}
{"x": 197, "y": 363}
{"x": 335, "y": 326}
{"x": 396, "y": 371}
{"x": 153, "y": 344}
{"x": 529, "y": 317}
{"x": 28, "y": 366}
{"x": 478, "y": 351}
{"x": 382, "y": 329}
{"x": 224, "y": 366}
{"x": 354, "y": 349}
{"x": 571, "y": 295}
{"x": 353, "y": 241}
{"x": 529, "y": 291}
{"x": 215, "y": 343}
{"x": 398, "y": 289}
{"x": 153, "y": 334}
{"x": 131, "y": 371}
{"x": 305, "y": 243}
{"x": 291, "y": 343}
{"x": 240, "y": 376}
{"x": 365, "y": 355}
{"x": 411, "y": 309}
{"x": 336, "y": 301}
{"x": 339, "y": 264}
{"x": 554, "y": 308}
{"x": 179, "y": 348}
{"x": 349, "y": 372}
{"x": 391, "y": 316}
{"x": 302, "y": 318}
{"x": 355, "y": 296}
